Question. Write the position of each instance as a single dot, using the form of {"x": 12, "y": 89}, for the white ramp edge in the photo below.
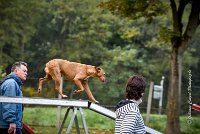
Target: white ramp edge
{"x": 102, "y": 110}
{"x": 41, "y": 101}
{"x": 68, "y": 103}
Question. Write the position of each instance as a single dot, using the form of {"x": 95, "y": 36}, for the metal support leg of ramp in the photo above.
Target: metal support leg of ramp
{"x": 74, "y": 118}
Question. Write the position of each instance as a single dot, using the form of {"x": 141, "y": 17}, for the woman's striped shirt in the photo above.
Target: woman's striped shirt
{"x": 128, "y": 118}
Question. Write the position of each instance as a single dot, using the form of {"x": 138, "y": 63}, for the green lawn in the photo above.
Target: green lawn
{"x": 158, "y": 122}
{"x": 43, "y": 120}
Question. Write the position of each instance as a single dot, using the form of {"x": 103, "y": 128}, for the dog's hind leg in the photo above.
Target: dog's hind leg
{"x": 41, "y": 80}
{"x": 57, "y": 86}
{"x": 89, "y": 93}
{"x": 56, "y": 76}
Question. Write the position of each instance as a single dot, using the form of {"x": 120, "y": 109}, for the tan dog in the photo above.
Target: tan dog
{"x": 75, "y": 72}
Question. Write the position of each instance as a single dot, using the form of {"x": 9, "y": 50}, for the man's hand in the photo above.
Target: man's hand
{"x": 12, "y": 128}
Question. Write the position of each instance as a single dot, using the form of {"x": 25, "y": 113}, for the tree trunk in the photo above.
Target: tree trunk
{"x": 179, "y": 45}
{"x": 1, "y": 53}
{"x": 173, "y": 111}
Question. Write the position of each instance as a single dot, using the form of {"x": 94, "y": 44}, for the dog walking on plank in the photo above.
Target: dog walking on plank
{"x": 75, "y": 72}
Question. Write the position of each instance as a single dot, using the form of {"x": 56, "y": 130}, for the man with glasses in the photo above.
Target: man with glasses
{"x": 11, "y": 114}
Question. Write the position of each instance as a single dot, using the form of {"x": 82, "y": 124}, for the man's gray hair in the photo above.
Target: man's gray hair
{"x": 18, "y": 64}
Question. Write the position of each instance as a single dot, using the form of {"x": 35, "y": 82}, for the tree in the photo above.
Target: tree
{"x": 19, "y": 19}
{"x": 181, "y": 37}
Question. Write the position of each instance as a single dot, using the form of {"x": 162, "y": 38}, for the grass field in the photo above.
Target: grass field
{"x": 43, "y": 121}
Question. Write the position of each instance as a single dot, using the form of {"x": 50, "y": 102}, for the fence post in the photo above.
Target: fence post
{"x": 149, "y": 103}
{"x": 59, "y": 107}
{"x": 161, "y": 96}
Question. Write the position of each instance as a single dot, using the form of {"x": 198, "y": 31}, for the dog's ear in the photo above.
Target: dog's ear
{"x": 98, "y": 69}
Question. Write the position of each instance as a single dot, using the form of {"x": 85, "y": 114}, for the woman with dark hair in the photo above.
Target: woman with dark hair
{"x": 128, "y": 117}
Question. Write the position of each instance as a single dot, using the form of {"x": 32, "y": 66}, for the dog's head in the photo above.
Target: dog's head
{"x": 101, "y": 74}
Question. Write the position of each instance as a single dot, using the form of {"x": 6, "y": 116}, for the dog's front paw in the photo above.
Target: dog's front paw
{"x": 96, "y": 102}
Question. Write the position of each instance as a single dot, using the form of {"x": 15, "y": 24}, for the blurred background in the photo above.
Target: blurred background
{"x": 80, "y": 31}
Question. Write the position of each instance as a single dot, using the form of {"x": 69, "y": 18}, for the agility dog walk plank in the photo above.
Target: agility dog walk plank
{"x": 101, "y": 110}
{"x": 41, "y": 101}
{"x": 68, "y": 103}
